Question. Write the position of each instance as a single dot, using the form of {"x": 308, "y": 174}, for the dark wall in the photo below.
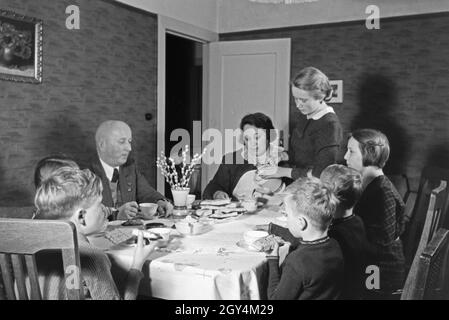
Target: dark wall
{"x": 395, "y": 79}
{"x": 105, "y": 70}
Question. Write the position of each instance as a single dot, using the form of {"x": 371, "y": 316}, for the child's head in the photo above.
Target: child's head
{"x": 367, "y": 147}
{"x": 346, "y": 183}
{"x": 310, "y": 206}
{"x": 48, "y": 165}
{"x": 72, "y": 194}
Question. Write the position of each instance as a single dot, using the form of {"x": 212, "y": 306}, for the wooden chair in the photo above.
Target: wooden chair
{"x": 428, "y": 278}
{"x": 20, "y": 240}
{"x": 17, "y": 212}
{"x": 433, "y": 218}
{"x": 431, "y": 178}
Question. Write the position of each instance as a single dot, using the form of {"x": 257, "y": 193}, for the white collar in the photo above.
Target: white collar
{"x": 322, "y": 113}
{"x": 108, "y": 169}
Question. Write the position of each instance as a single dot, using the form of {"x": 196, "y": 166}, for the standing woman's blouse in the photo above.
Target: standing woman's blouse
{"x": 382, "y": 211}
{"x": 315, "y": 143}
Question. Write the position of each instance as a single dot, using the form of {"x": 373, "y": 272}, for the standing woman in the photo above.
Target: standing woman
{"x": 316, "y": 140}
{"x": 380, "y": 207}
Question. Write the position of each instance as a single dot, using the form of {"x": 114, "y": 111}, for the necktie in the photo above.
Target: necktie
{"x": 115, "y": 176}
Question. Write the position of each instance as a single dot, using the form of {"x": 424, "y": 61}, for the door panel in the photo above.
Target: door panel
{"x": 246, "y": 77}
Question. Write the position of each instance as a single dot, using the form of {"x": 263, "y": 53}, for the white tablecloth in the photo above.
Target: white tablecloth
{"x": 207, "y": 266}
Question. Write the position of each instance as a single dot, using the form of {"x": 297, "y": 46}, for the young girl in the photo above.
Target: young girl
{"x": 316, "y": 139}
{"x": 380, "y": 207}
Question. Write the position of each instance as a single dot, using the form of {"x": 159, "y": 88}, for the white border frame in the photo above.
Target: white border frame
{"x": 185, "y": 30}
{"x": 337, "y": 95}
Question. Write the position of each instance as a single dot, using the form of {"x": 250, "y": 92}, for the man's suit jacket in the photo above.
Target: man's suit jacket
{"x": 132, "y": 184}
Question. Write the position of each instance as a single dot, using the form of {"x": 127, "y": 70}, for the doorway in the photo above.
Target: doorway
{"x": 183, "y": 95}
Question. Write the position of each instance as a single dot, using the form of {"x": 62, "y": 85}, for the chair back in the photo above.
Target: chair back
{"x": 428, "y": 277}
{"x": 431, "y": 178}
{"x": 20, "y": 240}
{"x": 17, "y": 212}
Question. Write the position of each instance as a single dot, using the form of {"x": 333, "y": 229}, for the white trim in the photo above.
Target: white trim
{"x": 185, "y": 30}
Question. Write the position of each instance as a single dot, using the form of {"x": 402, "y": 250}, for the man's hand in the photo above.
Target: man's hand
{"x": 128, "y": 211}
{"x": 220, "y": 195}
{"x": 165, "y": 208}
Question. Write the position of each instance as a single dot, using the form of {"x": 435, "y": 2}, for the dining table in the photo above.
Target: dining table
{"x": 215, "y": 265}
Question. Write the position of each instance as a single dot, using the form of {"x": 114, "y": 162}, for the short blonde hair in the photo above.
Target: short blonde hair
{"x": 316, "y": 82}
{"x": 48, "y": 165}
{"x": 315, "y": 200}
{"x": 67, "y": 189}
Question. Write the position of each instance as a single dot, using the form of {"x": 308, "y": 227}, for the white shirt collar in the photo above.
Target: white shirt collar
{"x": 321, "y": 114}
{"x": 108, "y": 169}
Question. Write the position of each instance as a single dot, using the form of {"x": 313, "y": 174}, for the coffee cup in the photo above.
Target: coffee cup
{"x": 148, "y": 210}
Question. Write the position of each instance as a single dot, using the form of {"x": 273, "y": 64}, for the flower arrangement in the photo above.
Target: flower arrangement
{"x": 15, "y": 42}
{"x": 168, "y": 169}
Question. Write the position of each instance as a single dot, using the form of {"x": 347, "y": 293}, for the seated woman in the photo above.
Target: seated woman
{"x": 238, "y": 176}
{"x": 380, "y": 207}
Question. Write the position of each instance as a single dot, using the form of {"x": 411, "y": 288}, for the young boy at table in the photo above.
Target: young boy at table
{"x": 314, "y": 269}
{"x": 47, "y": 166}
{"x": 347, "y": 228}
{"x": 75, "y": 195}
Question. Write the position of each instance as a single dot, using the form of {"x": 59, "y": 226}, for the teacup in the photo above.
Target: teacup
{"x": 251, "y": 236}
{"x": 163, "y": 232}
{"x": 148, "y": 210}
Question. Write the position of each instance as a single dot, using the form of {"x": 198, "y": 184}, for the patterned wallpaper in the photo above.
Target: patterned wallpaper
{"x": 395, "y": 79}
{"x": 105, "y": 70}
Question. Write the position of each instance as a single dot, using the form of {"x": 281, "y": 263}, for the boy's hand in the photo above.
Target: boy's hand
{"x": 142, "y": 252}
{"x": 128, "y": 211}
{"x": 275, "y": 251}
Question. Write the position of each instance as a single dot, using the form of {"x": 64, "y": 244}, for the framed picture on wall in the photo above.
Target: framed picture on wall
{"x": 20, "y": 47}
{"x": 337, "y": 94}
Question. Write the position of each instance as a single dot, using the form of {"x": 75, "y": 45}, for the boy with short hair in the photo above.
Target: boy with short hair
{"x": 347, "y": 228}
{"x": 314, "y": 269}
{"x": 75, "y": 195}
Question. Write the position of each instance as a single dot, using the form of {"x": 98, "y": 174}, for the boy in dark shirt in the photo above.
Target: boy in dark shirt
{"x": 314, "y": 269}
{"x": 347, "y": 228}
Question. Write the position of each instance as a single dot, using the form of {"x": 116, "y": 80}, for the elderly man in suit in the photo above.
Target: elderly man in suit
{"x": 124, "y": 186}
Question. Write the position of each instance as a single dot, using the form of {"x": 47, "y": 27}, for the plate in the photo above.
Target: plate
{"x": 282, "y": 219}
{"x": 220, "y": 202}
{"x": 225, "y": 218}
{"x": 242, "y": 244}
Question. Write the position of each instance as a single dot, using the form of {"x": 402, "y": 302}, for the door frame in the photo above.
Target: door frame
{"x": 172, "y": 26}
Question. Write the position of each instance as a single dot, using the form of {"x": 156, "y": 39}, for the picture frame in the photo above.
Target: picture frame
{"x": 337, "y": 93}
{"x": 20, "y": 47}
